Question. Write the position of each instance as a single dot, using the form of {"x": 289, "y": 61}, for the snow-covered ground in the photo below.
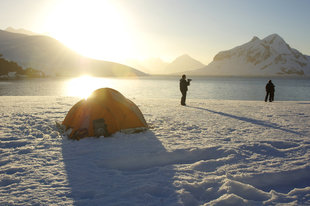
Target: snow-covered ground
{"x": 211, "y": 152}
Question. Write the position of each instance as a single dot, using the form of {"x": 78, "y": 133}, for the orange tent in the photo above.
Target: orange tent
{"x": 105, "y": 112}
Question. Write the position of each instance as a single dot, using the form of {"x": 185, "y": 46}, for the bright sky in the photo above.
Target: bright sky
{"x": 116, "y": 30}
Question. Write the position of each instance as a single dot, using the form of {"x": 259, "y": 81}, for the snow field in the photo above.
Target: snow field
{"x": 210, "y": 152}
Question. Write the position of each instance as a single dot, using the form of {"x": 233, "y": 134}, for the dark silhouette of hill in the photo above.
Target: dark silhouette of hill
{"x": 7, "y": 67}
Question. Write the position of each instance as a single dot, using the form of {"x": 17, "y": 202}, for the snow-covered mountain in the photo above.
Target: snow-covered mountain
{"x": 271, "y": 56}
{"x": 53, "y": 58}
{"x": 183, "y": 63}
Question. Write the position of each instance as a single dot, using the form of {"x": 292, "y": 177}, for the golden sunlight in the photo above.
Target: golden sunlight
{"x": 94, "y": 28}
{"x": 83, "y": 86}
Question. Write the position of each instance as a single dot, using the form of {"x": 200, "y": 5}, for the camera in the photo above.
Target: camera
{"x": 189, "y": 80}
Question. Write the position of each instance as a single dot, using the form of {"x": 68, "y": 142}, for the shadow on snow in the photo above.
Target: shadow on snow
{"x": 121, "y": 170}
{"x": 250, "y": 120}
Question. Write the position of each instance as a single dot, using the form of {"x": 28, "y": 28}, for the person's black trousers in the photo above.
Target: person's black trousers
{"x": 183, "y": 99}
{"x": 271, "y": 96}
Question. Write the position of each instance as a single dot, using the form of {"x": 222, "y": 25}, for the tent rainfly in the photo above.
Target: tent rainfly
{"x": 105, "y": 112}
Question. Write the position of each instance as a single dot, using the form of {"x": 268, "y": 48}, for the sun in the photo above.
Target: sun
{"x": 83, "y": 86}
{"x": 93, "y": 28}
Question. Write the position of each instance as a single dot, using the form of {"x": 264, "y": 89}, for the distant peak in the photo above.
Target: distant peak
{"x": 271, "y": 38}
{"x": 255, "y": 38}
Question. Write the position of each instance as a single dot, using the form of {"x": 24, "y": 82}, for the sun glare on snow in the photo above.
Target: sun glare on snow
{"x": 83, "y": 86}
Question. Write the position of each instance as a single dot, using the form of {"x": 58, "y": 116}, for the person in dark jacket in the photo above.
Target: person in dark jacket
{"x": 183, "y": 88}
{"x": 269, "y": 91}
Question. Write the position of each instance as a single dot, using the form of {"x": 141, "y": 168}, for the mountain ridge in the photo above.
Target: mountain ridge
{"x": 53, "y": 58}
{"x": 20, "y": 31}
{"x": 156, "y": 66}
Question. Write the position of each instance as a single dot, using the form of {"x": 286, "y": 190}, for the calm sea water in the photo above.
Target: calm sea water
{"x": 228, "y": 88}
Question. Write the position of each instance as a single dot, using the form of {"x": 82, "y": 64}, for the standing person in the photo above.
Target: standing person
{"x": 183, "y": 88}
{"x": 269, "y": 91}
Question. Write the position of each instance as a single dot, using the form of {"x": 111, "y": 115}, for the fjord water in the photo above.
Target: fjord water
{"x": 220, "y": 88}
